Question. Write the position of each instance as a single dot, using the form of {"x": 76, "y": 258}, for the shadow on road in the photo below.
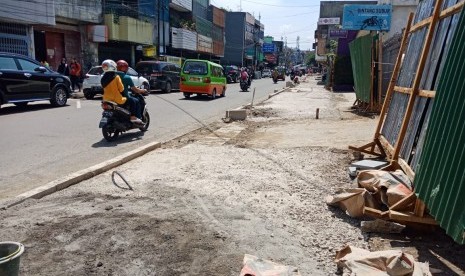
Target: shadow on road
{"x": 126, "y": 137}
{"x": 9, "y": 109}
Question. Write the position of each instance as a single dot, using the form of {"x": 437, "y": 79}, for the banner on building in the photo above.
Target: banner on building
{"x": 367, "y": 17}
{"x": 329, "y": 21}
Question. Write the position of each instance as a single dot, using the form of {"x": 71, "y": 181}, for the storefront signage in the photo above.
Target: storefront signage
{"x": 367, "y": 17}
{"x": 329, "y": 21}
{"x": 338, "y": 33}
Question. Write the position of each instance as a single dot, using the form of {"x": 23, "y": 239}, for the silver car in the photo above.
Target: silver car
{"x": 266, "y": 73}
{"x": 91, "y": 84}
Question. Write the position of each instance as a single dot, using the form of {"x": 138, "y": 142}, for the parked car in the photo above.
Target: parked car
{"x": 266, "y": 73}
{"x": 163, "y": 76}
{"x": 202, "y": 77}
{"x": 232, "y": 73}
{"x": 24, "y": 80}
{"x": 92, "y": 86}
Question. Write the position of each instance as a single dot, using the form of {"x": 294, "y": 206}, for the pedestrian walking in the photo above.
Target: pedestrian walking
{"x": 63, "y": 67}
{"x": 75, "y": 74}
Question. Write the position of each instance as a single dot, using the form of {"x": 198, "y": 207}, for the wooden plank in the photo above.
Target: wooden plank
{"x": 372, "y": 72}
{"x": 388, "y": 148}
{"x": 419, "y": 208}
{"x": 394, "y": 76}
{"x": 405, "y": 90}
{"x": 380, "y": 71}
{"x": 404, "y": 203}
{"x": 375, "y": 213}
{"x": 427, "y": 93}
{"x": 410, "y": 217}
{"x": 421, "y": 24}
{"x": 417, "y": 79}
{"x": 407, "y": 169}
{"x": 451, "y": 10}
{"x": 364, "y": 149}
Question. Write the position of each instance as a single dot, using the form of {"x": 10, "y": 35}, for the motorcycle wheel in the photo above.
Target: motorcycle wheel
{"x": 110, "y": 134}
{"x": 146, "y": 120}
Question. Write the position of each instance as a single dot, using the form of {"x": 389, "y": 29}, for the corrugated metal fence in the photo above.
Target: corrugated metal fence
{"x": 361, "y": 66}
{"x": 440, "y": 181}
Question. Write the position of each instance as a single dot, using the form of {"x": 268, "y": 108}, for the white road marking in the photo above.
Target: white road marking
{"x": 78, "y": 104}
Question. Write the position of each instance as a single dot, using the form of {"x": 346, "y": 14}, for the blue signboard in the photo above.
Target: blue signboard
{"x": 367, "y": 17}
{"x": 268, "y": 48}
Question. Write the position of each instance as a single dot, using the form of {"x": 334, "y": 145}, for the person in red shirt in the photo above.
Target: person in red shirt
{"x": 75, "y": 74}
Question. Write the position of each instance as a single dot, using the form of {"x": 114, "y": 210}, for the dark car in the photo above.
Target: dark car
{"x": 232, "y": 73}
{"x": 162, "y": 76}
{"x": 24, "y": 80}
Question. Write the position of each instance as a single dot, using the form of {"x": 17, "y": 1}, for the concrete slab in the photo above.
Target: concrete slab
{"x": 369, "y": 164}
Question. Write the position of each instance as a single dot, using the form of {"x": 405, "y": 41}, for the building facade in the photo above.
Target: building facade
{"x": 244, "y": 36}
{"x": 92, "y": 31}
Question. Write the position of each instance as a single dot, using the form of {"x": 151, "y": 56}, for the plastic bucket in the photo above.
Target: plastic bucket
{"x": 10, "y": 252}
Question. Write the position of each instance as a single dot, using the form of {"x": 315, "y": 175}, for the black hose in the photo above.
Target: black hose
{"x": 125, "y": 181}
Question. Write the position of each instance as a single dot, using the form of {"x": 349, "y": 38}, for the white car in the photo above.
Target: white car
{"x": 266, "y": 73}
{"x": 91, "y": 84}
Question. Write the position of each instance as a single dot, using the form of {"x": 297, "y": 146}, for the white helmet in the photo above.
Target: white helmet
{"x": 109, "y": 65}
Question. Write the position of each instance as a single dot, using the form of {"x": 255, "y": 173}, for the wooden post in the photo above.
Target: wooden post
{"x": 380, "y": 71}
{"x": 417, "y": 80}
{"x": 395, "y": 73}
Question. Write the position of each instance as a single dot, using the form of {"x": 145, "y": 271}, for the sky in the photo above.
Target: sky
{"x": 282, "y": 19}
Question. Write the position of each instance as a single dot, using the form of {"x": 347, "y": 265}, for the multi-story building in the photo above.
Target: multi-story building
{"x": 93, "y": 31}
{"x": 244, "y": 39}
{"x": 197, "y": 30}
{"x": 49, "y": 30}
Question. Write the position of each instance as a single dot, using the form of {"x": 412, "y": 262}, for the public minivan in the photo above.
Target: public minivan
{"x": 202, "y": 77}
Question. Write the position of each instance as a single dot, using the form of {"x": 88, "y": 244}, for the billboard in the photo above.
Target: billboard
{"x": 367, "y": 17}
{"x": 268, "y": 48}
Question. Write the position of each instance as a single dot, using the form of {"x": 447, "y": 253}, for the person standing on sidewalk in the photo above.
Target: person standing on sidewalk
{"x": 75, "y": 74}
{"x": 63, "y": 67}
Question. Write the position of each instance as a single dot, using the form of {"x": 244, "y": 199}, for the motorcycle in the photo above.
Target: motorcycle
{"x": 117, "y": 119}
{"x": 275, "y": 78}
{"x": 244, "y": 84}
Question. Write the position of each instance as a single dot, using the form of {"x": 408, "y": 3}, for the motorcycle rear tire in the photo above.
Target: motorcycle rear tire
{"x": 110, "y": 134}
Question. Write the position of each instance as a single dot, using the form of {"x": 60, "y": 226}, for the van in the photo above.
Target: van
{"x": 202, "y": 77}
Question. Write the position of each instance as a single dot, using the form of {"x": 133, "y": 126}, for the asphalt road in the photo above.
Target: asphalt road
{"x": 40, "y": 143}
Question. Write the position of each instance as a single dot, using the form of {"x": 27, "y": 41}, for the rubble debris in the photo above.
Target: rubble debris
{"x": 362, "y": 262}
{"x": 255, "y": 266}
{"x": 382, "y": 226}
{"x": 377, "y": 189}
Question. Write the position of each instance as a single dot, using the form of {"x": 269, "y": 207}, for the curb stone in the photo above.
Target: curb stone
{"x": 76, "y": 177}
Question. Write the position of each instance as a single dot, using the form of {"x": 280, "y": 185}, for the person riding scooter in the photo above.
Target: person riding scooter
{"x": 245, "y": 76}
{"x": 274, "y": 75}
{"x": 122, "y": 68}
{"x": 113, "y": 89}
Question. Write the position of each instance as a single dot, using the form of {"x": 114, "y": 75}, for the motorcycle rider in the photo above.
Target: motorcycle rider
{"x": 113, "y": 89}
{"x": 245, "y": 75}
{"x": 122, "y": 68}
{"x": 274, "y": 75}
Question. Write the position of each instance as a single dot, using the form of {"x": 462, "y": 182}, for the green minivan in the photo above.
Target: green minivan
{"x": 202, "y": 77}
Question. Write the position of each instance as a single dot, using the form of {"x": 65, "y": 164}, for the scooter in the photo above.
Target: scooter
{"x": 117, "y": 119}
{"x": 244, "y": 84}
